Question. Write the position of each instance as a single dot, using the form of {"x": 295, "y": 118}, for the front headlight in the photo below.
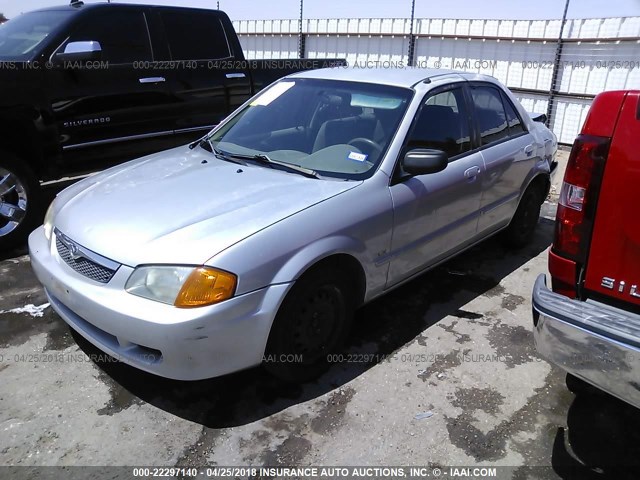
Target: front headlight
{"x": 183, "y": 287}
{"x": 48, "y": 220}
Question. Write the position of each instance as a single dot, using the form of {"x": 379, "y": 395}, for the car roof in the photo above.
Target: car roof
{"x": 104, "y": 5}
{"x": 399, "y": 77}
{"x": 81, "y": 7}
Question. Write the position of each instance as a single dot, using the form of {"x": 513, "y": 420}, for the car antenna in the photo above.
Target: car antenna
{"x": 76, "y": 3}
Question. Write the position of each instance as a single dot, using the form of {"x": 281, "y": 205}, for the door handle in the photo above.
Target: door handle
{"x": 528, "y": 150}
{"x": 235, "y": 75}
{"x": 472, "y": 172}
{"x": 152, "y": 80}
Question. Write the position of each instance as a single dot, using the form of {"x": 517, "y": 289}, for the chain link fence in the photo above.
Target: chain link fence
{"x": 548, "y": 75}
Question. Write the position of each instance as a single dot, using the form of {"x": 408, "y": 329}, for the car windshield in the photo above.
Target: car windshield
{"x": 335, "y": 128}
{"x": 20, "y": 36}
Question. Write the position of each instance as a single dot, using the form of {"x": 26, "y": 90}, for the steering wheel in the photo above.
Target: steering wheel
{"x": 366, "y": 142}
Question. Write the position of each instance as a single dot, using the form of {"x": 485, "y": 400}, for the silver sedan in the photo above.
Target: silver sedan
{"x": 256, "y": 244}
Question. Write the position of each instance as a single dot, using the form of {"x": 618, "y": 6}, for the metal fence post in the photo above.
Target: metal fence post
{"x": 301, "y": 37}
{"x": 556, "y": 67}
{"x": 412, "y": 38}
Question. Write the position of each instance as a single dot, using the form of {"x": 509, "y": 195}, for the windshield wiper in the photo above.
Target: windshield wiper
{"x": 223, "y": 155}
{"x": 263, "y": 159}
{"x": 206, "y": 144}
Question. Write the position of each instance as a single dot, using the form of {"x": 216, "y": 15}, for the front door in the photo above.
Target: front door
{"x": 115, "y": 108}
{"x": 435, "y": 215}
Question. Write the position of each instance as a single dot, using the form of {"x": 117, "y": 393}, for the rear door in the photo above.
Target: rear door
{"x": 508, "y": 153}
{"x": 207, "y": 82}
{"x": 437, "y": 214}
{"x": 613, "y": 266}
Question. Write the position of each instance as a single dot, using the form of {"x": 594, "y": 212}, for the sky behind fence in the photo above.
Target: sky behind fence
{"x": 497, "y": 9}
{"x": 597, "y": 54}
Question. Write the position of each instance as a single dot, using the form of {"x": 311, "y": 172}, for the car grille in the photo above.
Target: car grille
{"x": 83, "y": 265}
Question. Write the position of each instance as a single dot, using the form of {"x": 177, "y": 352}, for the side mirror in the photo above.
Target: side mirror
{"x": 541, "y": 117}
{"x": 421, "y": 161}
{"x": 79, "y": 52}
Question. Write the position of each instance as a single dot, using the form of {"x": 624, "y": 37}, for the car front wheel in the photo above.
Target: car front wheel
{"x": 312, "y": 324}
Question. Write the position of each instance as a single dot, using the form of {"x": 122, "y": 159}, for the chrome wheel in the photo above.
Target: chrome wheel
{"x": 13, "y": 202}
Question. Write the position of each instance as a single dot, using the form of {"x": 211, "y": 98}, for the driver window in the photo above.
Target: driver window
{"x": 443, "y": 124}
{"x": 123, "y": 36}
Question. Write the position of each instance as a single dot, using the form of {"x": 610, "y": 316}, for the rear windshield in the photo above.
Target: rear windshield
{"x": 21, "y": 36}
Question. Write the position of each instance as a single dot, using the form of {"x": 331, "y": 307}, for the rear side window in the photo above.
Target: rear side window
{"x": 195, "y": 35}
{"x": 490, "y": 114}
{"x": 515, "y": 124}
{"x": 123, "y": 36}
{"x": 442, "y": 124}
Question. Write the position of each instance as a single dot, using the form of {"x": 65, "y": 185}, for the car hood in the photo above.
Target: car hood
{"x": 182, "y": 206}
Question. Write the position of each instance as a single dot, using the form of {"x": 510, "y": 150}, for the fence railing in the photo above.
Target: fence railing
{"x": 557, "y": 78}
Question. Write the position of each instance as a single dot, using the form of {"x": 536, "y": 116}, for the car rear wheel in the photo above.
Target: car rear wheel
{"x": 312, "y": 324}
{"x": 19, "y": 198}
{"x": 524, "y": 221}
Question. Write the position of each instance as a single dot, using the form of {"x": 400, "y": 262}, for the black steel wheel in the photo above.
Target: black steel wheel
{"x": 310, "y": 326}
{"x": 520, "y": 231}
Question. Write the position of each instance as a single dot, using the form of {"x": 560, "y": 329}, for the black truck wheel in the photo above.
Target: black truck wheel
{"x": 578, "y": 386}
{"x": 19, "y": 201}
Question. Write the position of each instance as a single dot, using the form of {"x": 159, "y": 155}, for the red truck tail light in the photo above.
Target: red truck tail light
{"x": 576, "y": 211}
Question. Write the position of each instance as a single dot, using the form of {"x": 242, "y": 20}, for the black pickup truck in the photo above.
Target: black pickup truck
{"x": 88, "y": 86}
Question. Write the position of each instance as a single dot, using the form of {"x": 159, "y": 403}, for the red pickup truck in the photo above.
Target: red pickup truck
{"x": 588, "y": 323}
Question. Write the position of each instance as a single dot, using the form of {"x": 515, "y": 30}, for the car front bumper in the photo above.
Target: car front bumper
{"x": 182, "y": 344}
{"x": 593, "y": 341}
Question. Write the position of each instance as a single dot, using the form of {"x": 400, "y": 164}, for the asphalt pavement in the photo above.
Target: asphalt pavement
{"x": 439, "y": 372}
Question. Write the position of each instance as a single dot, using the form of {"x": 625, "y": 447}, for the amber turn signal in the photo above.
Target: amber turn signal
{"x": 206, "y": 286}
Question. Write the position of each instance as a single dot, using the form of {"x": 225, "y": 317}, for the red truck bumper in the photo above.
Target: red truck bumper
{"x": 595, "y": 342}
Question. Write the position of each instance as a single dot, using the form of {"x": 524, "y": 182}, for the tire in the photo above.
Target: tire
{"x": 312, "y": 323}
{"x": 577, "y": 386}
{"x": 19, "y": 192}
{"x": 520, "y": 231}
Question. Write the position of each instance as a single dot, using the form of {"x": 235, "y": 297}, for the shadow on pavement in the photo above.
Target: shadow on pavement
{"x": 381, "y": 328}
{"x": 602, "y": 440}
